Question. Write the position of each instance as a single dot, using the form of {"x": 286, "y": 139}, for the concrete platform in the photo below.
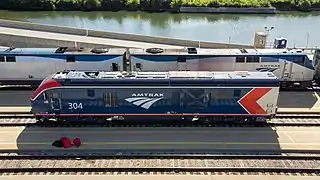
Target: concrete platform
{"x": 26, "y": 109}
{"x": 31, "y": 35}
{"x": 297, "y": 110}
{"x": 137, "y": 138}
{"x": 158, "y": 177}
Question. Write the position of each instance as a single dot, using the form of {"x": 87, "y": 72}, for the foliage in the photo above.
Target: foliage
{"x": 153, "y": 5}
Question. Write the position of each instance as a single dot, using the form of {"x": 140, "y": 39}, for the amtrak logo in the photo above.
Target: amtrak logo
{"x": 266, "y": 69}
{"x": 144, "y": 100}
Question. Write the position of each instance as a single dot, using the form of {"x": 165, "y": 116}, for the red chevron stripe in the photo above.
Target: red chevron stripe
{"x": 249, "y": 101}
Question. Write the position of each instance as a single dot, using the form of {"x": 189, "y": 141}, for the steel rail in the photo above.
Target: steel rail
{"x": 162, "y": 156}
{"x": 286, "y": 164}
{"x": 282, "y": 119}
{"x": 163, "y": 170}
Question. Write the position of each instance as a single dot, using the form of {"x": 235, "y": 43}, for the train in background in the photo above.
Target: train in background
{"x": 202, "y": 96}
{"x": 29, "y": 66}
{"x": 295, "y": 68}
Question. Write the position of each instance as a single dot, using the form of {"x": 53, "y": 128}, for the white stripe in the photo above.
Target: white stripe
{"x": 138, "y": 103}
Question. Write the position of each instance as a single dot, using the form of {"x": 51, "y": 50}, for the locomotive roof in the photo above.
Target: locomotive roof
{"x": 135, "y": 51}
{"x": 234, "y": 75}
{"x": 205, "y": 51}
{"x": 61, "y": 50}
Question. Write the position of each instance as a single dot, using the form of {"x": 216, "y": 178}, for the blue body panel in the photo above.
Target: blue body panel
{"x": 176, "y": 100}
{"x": 75, "y": 93}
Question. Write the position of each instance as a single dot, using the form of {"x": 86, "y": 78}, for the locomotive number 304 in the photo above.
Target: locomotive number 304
{"x": 75, "y": 105}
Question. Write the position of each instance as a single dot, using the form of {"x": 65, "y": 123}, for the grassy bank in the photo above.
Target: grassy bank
{"x": 153, "y": 5}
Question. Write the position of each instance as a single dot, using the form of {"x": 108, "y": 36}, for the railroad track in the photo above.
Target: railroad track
{"x": 276, "y": 164}
{"x": 283, "y": 119}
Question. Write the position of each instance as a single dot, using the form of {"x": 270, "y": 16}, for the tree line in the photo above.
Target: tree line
{"x": 152, "y": 5}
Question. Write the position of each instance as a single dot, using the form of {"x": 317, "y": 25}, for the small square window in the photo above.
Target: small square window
{"x": 237, "y": 93}
{"x": 90, "y": 93}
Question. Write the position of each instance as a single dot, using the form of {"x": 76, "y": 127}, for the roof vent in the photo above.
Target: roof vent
{"x": 154, "y": 50}
{"x": 99, "y": 50}
{"x": 243, "y": 51}
{"x": 61, "y": 49}
{"x": 192, "y": 51}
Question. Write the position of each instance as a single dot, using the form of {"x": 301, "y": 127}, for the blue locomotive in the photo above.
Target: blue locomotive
{"x": 185, "y": 95}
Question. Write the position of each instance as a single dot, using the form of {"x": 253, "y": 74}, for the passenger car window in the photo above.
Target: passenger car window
{"x": 181, "y": 59}
{"x": 71, "y": 59}
{"x": 240, "y": 59}
{"x": 11, "y": 59}
{"x": 253, "y": 59}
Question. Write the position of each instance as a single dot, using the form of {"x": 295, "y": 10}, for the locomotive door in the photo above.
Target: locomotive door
{"x": 55, "y": 101}
{"x": 287, "y": 70}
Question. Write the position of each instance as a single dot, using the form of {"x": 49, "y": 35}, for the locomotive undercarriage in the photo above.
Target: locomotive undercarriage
{"x": 145, "y": 120}
{"x": 290, "y": 85}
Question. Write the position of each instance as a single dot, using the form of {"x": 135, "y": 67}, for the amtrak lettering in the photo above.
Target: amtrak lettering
{"x": 144, "y": 100}
{"x": 147, "y": 95}
{"x": 268, "y": 67}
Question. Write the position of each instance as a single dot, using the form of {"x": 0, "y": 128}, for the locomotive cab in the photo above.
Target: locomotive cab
{"x": 43, "y": 102}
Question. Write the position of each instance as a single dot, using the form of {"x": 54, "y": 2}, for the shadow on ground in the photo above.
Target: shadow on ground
{"x": 157, "y": 139}
{"x": 15, "y": 98}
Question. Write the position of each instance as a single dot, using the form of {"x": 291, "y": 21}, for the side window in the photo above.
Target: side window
{"x": 240, "y": 59}
{"x": 110, "y": 99}
{"x": 90, "y": 93}
{"x": 304, "y": 59}
{"x": 269, "y": 59}
{"x": 298, "y": 60}
{"x": 237, "y": 93}
{"x": 45, "y": 96}
{"x": 182, "y": 59}
{"x": 11, "y": 59}
{"x": 55, "y": 95}
{"x": 71, "y": 59}
{"x": 253, "y": 59}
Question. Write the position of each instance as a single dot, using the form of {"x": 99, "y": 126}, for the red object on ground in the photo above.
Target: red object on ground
{"x": 77, "y": 142}
{"x": 66, "y": 142}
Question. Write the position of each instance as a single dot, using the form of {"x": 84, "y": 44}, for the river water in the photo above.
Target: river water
{"x": 301, "y": 29}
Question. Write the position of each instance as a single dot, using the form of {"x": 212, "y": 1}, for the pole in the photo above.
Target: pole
{"x": 307, "y": 40}
{"x": 199, "y": 44}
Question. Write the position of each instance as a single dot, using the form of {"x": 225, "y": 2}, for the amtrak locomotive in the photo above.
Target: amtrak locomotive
{"x": 294, "y": 68}
{"x": 175, "y": 95}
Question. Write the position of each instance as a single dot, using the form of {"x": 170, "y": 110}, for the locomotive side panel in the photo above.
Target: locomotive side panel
{"x": 37, "y": 67}
{"x": 291, "y": 68}
{"x": 113, "y": 101}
